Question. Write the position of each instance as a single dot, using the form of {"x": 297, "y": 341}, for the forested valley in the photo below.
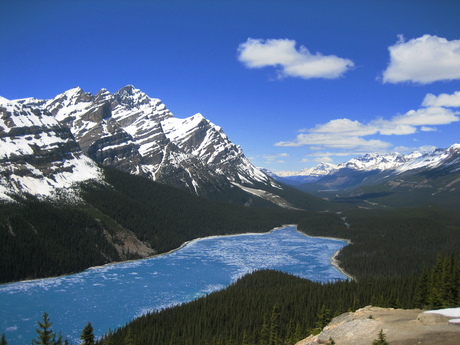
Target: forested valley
{"x": 271, "y": 307}
{"x": 407, "y": 258}
{"x": 41, "y": 239}
{"x": 397, "y": 257}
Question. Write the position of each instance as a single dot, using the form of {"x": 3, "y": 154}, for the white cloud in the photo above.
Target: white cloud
{"x": 428, "y": 129}
{"x": 426, "y": 116}
{"x": 276, "y": 155}
{"x": 386, "y": 127}
{"x": 335, "y": 141}
{"x": 324, "y": 159}
{"x": 345, "y": 127}
{"x": 275, "y": 158}
{"x": 338, "y": 154}
{"x": 404, "y": 149}
{"x": 443, "y": 100}
{"x": 347, "y": 135}
{"x": 282, "y": 53}
{"x": 409, "y": 122}
{"x": 423, "y": 60}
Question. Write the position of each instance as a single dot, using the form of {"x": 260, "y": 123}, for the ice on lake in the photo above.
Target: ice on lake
{"x": 112, "y": 295}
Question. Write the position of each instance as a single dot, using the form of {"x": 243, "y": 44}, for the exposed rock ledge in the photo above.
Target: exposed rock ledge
{"x": 401, "y": 327}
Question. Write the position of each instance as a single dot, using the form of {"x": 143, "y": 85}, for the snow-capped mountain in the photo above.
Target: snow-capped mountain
{"x": 394, "y": 162}
{"x": 132, "y": 132}
{"x": 317, "y": 171}
{"x": 303, "y": 176}
{"x": 38, "y": 155}
{"x": 433, "y": 172}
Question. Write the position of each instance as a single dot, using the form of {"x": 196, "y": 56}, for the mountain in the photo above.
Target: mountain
{"x": 131, "y": 132}
{"x": 393, "y": 179}
{"x": 306, "y": 175}
{"x": 79, "y": 183}
{"x": 138, "y": 134}
{"x": 38, "y": 155}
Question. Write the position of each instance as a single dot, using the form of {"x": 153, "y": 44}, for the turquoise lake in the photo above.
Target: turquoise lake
{"x": 112, "y": 295}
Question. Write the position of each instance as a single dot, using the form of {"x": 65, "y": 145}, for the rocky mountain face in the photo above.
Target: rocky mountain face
{"x": 38, "y": 155}
{"x": 127, "y": 130}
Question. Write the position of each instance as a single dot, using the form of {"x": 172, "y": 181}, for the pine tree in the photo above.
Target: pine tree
{"x": 245, "y": 338}
{"x": 423, "y": 289}
{"x": 324, "y": 317}
{"x": 108, "y": 338}
{"x": 299, "y": 334}
{"x": 129, "y": 340}
{"x": 381, "y": 339}
{"x": 45, "y": 335}
{"x": 275, "y": 326}
{"x": 87, "y": 335}
{"x": 3, "y": 340}
{"x": 264, "y": 332}
{"x": 289, "y": 340}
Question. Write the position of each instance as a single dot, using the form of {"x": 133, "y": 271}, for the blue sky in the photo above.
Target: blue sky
{"x": 294, "y": 83}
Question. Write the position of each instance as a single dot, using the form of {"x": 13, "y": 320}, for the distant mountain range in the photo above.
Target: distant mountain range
{"x": 49, "y": 146}
{"x": 79, "y": 184}
{"x": 391, "y": 179}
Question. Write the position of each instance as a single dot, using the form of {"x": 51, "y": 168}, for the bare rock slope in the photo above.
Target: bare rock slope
{"x": 401, "y": 327}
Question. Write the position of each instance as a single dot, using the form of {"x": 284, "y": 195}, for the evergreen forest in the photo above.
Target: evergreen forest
{"x": 397, "y": 257}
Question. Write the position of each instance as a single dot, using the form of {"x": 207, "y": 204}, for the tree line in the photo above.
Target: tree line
{"x": 273, "y": 308}
{"x": 40, "y": 238}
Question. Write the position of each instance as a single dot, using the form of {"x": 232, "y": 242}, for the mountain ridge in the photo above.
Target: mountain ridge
{"x": 376, "y": 161}
{"x": 137, "y": 134}
{"x": 382, "y": 180}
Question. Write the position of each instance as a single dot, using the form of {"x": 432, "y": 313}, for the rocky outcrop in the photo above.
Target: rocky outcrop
{"x": 401, "y": 327}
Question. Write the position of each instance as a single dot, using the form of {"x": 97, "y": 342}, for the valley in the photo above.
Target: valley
{"x": 112, "y": 295}
{"x": 88, "y": 180}
{"x": 391, "y": 180}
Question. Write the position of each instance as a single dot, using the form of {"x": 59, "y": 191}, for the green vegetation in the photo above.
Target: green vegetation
{"x": 399, "y": 258}
{"x": 439, "y": 287}
{"x": 393, "y": 242}
{"x": 269, "y": 308}
{"x": 266, "y": 307}
{"x": 389, "y": 251}
{"x": 381, "y": 340}
{"x": 45, "y": 335}
{"x": 87, "y": 335}
{"x": 166, "y": 217}
{"x": 41, "y": 239}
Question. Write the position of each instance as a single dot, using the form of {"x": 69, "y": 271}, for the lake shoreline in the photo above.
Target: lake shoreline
{"x": 113, "y": 294}
{"x": 148, "y": 257}
{"x": 334, "y": 261}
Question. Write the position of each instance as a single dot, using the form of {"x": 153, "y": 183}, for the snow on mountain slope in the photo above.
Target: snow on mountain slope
{"x": 375, "y": 161}
{"x": 38, "y": 155}
{"x": 201, "y": 138}
{"x": 304, "y": 176}
{"x": 392, "y": 162}
{"x": 138, "y": 134}
{"x": 398, "y": 163}
{"x": 317, "y": 171}
{"x": 373, "y": 169}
